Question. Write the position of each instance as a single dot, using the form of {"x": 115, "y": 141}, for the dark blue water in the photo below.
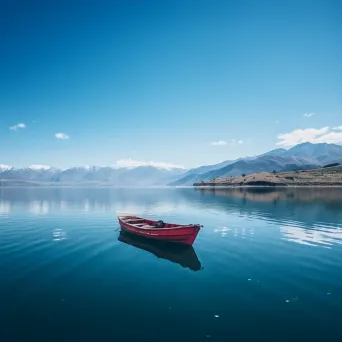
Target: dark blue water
{"x": 267, "y": 266}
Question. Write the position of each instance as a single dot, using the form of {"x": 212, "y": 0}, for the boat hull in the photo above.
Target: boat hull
{"x": 185, "y": 234}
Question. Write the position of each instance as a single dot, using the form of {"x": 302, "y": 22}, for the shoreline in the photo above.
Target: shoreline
{"x": 265, "y": 186}
{"x": 174, "y": 187}
{"x": 323, "y": 177}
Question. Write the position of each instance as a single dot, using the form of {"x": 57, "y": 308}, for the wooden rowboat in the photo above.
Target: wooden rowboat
{"x": 158, "y": 230}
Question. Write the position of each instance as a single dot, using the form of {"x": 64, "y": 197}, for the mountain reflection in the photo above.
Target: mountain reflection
{"x": 307, "y": 205}
{"x": 185, "y": 256}
{"x": 39, "y": 201}
{"x": 302, "y": 207}
{"x": 311, "y": 216}
{"x": 326, "y": 194}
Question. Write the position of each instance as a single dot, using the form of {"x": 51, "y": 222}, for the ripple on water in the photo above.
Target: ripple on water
{"x": 59, "y": 235}
{"x": 313, "y": 236}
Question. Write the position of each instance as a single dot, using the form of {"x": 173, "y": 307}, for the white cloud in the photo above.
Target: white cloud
{"x": 19, "y": 125}
{"x": 62, "y": 136}
{"x": 312, "y": 135}
{"x": 235, "y": 141}
{"x": 338, "y": 128}
{"x": 136, "y": 163}
{"x": 330, "y": 138}
{"x": 224, "y": 143}
{"x": 5, "y": 167}
{"x": 39, "y": 167}
{"x": 308, "y": 115}
{"x": 219, "y": 143}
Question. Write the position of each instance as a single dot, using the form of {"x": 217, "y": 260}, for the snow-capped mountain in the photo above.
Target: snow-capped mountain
{"x": 138, "y": 176}
{"x": 300, "y": 157}
{"x": 39, "y": 167}
{"x": 4, "y": 167}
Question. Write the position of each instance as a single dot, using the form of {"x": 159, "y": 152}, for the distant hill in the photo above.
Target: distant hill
{"x": 207, "y": 168}
{"x": 300, "y": 157}
{"x": 188, "y": 180}
{"x": 325, "y": 176}
{"x": 274, "y": 153}
{"x": 321, "y": 151}
{"x": 262, "y": 164}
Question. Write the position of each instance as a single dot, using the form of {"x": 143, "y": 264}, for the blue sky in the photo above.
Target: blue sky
{"x": 180, "y": 82}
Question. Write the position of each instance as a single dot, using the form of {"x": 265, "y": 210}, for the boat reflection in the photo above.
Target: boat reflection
{"x": 185, "y": 256}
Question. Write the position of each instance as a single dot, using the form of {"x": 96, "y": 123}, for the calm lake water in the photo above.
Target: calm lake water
{"x": 267, "y": 265}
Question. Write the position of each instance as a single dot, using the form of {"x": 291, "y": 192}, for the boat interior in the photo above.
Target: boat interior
{"x": 144, "y": 223}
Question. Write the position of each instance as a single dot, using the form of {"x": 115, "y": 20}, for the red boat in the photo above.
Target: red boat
{"x": 158, "y": 230}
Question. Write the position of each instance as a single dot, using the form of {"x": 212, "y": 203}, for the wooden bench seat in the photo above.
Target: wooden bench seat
{"x": 134, "y": 221}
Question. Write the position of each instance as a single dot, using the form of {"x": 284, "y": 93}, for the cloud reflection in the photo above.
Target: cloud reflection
{"x": 5, "y": 208}
{"x": 235, "y": 231}
{"x": 39, "y": 207}
{"x": 322, "y": 236}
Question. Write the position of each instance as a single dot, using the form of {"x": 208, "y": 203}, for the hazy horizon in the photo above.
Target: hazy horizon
{"x": 127, "y": 164}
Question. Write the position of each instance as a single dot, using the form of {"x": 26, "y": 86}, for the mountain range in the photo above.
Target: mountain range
{"x": 300, "y": 157}
{"x": 96, "y": 175}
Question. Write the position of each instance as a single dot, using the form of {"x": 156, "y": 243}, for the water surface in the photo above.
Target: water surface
{"x": 267, "y": 265}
